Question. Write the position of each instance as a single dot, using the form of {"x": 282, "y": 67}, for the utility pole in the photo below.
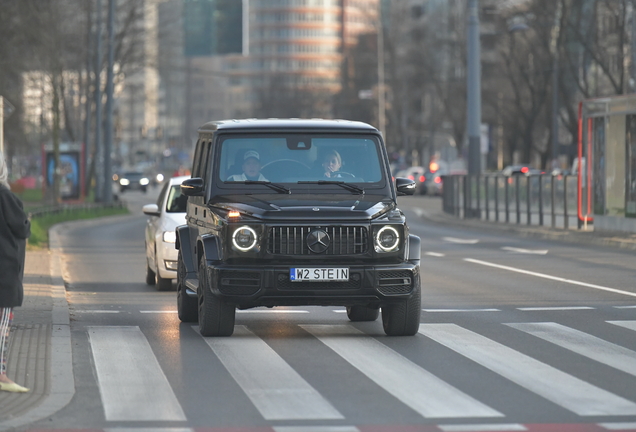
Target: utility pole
{"x": 99, "y": 152}
{"x": 474, "y": 90}
{"x": 108, "y": 126}
{"x": 473, "y": 115}
{"x": 381, "y": 95}
{"x": 554, "y": 48}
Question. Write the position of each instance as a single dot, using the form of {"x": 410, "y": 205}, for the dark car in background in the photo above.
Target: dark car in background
{"x": 133, "y": 180}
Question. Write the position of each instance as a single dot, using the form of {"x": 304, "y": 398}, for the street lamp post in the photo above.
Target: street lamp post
{"x": 473, "y": 115}
{"x": 381, "y": 95}
{"x": 555, "y": 82}
{"x": 474, "y": 90}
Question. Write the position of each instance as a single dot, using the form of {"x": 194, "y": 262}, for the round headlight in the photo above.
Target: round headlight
{"x": 387, "y": 239}
{"x": 244, "y": 238}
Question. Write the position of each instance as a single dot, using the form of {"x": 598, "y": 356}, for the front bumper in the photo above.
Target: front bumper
{"x": 167, "y": 260}
{"x": 250, "y": 286}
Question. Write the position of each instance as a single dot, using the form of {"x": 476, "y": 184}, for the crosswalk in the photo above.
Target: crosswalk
{"x": 133, "y": 386}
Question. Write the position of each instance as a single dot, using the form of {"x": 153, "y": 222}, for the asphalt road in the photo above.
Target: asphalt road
{"x": 516, "y": 334}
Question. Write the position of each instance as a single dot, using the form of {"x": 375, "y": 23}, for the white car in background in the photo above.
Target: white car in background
{"x": 168, "y": 213}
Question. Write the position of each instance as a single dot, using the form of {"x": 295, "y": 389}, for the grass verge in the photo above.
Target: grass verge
{"x": 40, "y": 225}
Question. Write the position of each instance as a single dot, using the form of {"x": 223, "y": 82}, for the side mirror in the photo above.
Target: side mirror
{"x": 192, "y": 187}
{"x": 151, "y": 210}
{"x": 405, "y": 186}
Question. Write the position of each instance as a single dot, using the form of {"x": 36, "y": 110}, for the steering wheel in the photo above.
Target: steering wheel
{"x": 341, "y": 174}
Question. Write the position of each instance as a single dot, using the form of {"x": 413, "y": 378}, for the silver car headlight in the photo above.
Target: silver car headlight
{"x": 244, "y": 238}
{"x": 387, "y": 239}
{"x": 144, "y": 181}
{"x": 124, "y": 182}
{"x": 169, "y": 237}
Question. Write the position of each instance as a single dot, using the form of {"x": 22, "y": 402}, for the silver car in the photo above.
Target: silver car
{"x": 167, "y": 214}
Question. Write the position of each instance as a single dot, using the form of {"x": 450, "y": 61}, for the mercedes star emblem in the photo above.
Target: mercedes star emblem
{"x": 318, "y": 241}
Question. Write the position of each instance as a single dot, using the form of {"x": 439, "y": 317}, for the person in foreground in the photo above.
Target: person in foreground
{"x": 15, "y": 228}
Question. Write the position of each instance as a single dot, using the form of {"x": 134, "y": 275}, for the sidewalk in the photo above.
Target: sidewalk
{"x": 40, "y": 355}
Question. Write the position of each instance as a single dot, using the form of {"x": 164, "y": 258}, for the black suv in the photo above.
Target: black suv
{"x": 295, "y": 212}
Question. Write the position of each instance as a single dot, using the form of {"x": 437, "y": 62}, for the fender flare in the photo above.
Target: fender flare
{"x": 184, "y": 245}
{"x": 414, "y": 250}
{"x": 209, "y": 246}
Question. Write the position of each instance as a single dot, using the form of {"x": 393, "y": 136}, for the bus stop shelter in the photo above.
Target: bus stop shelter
{"x": 606, "y": 163}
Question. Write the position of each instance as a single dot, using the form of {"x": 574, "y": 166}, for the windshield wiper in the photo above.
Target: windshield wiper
{"x": 276, "y": 187}
{"x": 348, "y": 186}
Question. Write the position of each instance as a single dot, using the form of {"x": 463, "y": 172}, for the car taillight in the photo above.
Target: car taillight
{"x": 411, "y": 177}
{"x": 422, "y": 179}
{"x": 524, "y": 170}
{"x": 438, "y": 180}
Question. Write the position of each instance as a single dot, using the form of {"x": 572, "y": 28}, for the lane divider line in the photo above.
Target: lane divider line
{"x": 554, "y": 278}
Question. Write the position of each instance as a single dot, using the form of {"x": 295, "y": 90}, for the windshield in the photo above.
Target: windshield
{"x": 300, "y": 158}
{"x": 176, "y": 202}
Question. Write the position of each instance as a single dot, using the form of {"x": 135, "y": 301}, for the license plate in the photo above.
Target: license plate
{"x": 319, "y": 274}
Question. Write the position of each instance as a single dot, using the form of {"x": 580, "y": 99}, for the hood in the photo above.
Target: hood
{"x": 299, "y": 207}
{"x": 170, "y": 221}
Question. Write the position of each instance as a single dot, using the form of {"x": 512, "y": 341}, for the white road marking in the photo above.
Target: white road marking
{"x": 414, "y": 386}
{"x": 483, "y": 427}
{"x": 626, "y": 307}
{"x": 562, "y": 389}
{"x": 461, "y": 310}
{"x": 525, "y": 251}
{"x": 87, "y": 311}
{"x": 315, "y": 429}
{"x": 554, "y": 308}
{"x": 158, "y": 312}
{"x": 273, "y": 311}
{"x": 142, "y": 429}
{"x": 582, "y": 343}
{"x": 555, "y": 278}
{"x": 273, "y": 386}
{"x": 435, "y": 254}
{"x": 618, "y": 426}
{"x": 460, "y": 241}
{"x": 631, "y": 325}
{"x": 132, "y": 384}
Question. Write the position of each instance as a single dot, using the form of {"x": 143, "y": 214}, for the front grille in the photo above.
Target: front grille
{"x": 292, "y": 240}
{"x": 239, "y": 282}
{"x": 395, "y": 282}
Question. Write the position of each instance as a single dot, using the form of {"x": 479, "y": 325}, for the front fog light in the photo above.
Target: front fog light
{"x": 387, "y": 239}
{"x": 244, "y": 238}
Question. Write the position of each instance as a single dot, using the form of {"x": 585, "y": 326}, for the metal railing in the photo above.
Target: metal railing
{"x": 537, "y": 199}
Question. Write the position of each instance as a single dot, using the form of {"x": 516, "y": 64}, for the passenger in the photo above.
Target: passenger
{"x": 251, "y": 168}
{"x": 332, "y": 164}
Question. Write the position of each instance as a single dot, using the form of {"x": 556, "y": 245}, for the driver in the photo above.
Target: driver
{"x": 332, "y": 164}
{"x": 251, "y": 168}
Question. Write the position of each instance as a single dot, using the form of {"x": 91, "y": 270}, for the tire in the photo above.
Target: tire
{"x": 403, "y": 319}
{"x": 187, "y": 307}
{"x": 163, "y": 284}
{"x": 362, "y": 313}
{"x": 216, "y": 318}
{"x": 150, "y": 275}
